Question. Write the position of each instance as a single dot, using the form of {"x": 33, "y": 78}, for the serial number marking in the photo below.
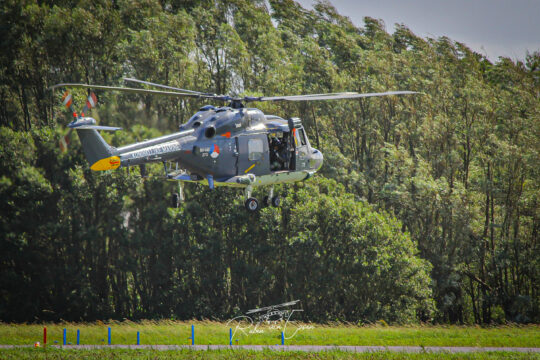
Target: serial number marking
{"x": 155, "y": 150}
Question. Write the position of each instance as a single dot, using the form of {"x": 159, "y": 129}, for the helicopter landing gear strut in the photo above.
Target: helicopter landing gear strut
{"x": 270, "y": 199}
{"x": 253, "y": 205}
{"x": 178, "y": 197}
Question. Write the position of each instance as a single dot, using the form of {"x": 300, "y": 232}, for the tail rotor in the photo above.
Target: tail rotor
{"x": 67, "y": 101}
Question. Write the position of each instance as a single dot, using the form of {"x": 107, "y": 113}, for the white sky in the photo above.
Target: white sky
{"x": 490, "y": 27}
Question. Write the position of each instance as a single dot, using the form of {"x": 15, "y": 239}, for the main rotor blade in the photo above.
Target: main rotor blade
{"x": 165, "y": 86}
{"x": 131, "y": 90}
{"x": 334, "y": 96}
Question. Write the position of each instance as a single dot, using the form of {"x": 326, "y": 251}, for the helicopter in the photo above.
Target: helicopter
{"x": 233, "y": 145}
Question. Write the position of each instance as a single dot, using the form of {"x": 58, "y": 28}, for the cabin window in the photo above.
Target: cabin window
{"x": 255, "y": 149}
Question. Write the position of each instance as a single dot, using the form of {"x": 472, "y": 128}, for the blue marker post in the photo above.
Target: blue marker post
{"x": 78, "y": 336}
{"x": 192, "y": 335}
{"x": 282, "y": 338}
{"x": 138, "y": 338}
{"x": 230, "y": 336}
{"x": 65, "y": 336}
{"x": 109, "y": 335}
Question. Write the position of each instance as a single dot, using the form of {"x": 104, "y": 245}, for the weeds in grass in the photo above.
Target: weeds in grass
{"x": 169, "y": 332}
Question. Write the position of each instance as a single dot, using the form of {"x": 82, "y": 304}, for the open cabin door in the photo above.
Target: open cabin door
{"x": 301, "y": 149}
{"x": 299, "y": 146}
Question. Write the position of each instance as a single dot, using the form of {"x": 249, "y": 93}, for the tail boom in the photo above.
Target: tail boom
{"x": 102, "y": 156}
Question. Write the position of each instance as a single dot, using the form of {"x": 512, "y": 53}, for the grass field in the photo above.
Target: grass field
{"x": 57, "y": 354}
{"x": 207, "y": 332}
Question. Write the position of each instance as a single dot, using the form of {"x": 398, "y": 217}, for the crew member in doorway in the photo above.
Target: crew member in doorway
{"x": 277, "y": 158}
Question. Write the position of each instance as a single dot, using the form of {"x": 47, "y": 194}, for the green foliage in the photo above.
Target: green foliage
{"x": 431, "y": 212}
{"x": 371, "y": 265}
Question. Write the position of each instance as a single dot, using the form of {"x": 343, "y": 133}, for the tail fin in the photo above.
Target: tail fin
{"x": 99, "y": 154}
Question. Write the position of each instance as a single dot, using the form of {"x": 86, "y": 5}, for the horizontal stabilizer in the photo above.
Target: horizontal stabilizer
{"x": 89, "y": 123}
{"x": 95, "y": 127}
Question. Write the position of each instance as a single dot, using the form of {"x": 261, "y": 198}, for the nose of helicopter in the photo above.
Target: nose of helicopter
{"x": 316, "y": 159}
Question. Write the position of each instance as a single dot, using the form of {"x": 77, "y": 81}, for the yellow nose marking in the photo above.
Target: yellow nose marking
{"x": 109, "y": 163}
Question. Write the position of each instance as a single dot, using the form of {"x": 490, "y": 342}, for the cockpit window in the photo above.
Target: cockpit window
{"x": 194, "y": 117}
{"x": 254, "y": 116}
{"x": 300, "y": 137}
{"x": 207, "y": 107}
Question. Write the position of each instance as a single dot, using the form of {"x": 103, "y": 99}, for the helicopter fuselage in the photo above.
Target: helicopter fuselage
{"x": 225, "y": 147}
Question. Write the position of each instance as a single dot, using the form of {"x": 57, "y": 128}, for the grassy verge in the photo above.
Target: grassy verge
{"x": 57, "y": 354}
{"x": 206, "y": 332}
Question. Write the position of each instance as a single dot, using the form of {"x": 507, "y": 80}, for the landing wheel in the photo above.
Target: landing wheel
{"x": 252, "y": 204}
{"x": 276, "y": 201}
{"x": 266, "y": 201}
{"x": 175, "y": 200}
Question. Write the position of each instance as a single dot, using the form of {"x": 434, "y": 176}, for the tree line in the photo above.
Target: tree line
{"x": 426, "y": 208}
